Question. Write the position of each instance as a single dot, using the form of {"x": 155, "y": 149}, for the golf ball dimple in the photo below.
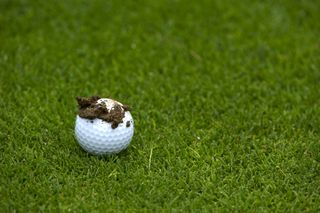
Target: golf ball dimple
{"x": 98, "y": 137}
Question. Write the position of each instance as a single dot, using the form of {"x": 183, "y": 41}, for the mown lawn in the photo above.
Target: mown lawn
{"x": 225, "y": 97}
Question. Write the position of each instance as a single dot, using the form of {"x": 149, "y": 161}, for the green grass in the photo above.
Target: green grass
{"x": 226, "y": 99}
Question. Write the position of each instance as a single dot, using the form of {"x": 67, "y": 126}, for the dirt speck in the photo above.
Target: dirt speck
{"x": 128, "y": 124}
{"x": 126, "y": 108}
{"x": 90, "y": 109}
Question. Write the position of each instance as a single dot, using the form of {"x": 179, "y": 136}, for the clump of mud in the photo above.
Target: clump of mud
{"x": 89, "y": 108}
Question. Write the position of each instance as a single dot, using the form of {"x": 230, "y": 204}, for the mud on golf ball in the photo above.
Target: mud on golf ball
{"x": 103, "y": 125}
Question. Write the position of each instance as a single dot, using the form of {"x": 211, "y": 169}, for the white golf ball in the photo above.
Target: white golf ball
{"x": 97, "y": 136}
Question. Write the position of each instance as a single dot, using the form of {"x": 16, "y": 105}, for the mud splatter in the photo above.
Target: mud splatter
{"x": 89, "y": 108}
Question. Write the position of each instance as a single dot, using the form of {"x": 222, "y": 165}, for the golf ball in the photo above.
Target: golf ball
{"x": 98, "y": 137}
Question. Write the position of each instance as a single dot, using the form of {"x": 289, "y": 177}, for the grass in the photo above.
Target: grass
{"x": 225, "y": 95}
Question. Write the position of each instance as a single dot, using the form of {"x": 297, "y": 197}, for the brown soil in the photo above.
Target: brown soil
{"x": 90, "y": 109}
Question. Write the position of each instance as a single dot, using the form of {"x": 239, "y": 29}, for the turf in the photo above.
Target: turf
{"x": 225, "y": 97}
